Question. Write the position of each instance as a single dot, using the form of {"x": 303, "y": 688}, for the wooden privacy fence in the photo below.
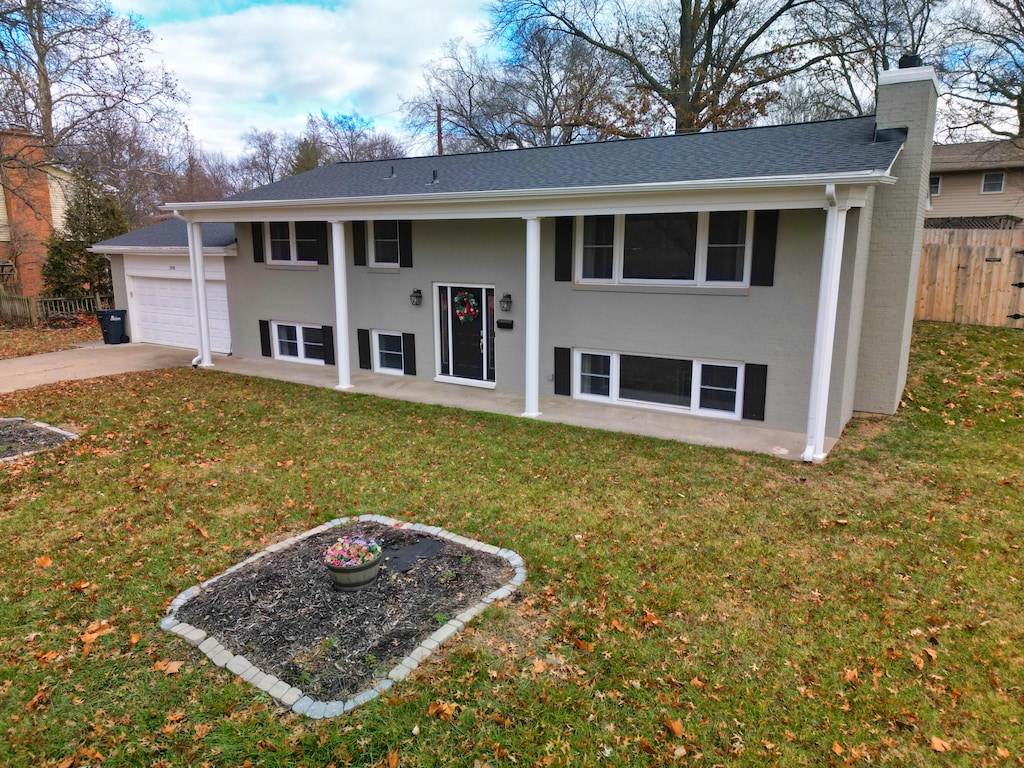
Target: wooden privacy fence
{"x": 969, "y": 276}
{"x": 31, "y": 311}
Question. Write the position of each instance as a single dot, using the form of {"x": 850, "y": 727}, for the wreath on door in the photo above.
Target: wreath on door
{"x": 465, "y": 306}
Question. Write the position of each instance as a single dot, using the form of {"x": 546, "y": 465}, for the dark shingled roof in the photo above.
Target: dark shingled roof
{"x": 171, "y": 233}
{"x": 827, "y": 147}
{"x": 976, "y": 156}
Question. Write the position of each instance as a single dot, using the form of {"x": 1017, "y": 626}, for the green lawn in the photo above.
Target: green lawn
{"x": 684, "y": 605}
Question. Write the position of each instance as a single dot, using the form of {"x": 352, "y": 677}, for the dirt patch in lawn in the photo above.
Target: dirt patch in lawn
{"x": 283, "y": 614}
{"x": 18, "y": 436}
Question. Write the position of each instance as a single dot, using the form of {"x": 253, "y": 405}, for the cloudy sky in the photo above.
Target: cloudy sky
{"x": 269, "y": 63}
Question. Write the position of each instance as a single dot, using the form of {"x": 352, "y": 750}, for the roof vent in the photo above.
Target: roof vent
{"x": 910, "y": 61}
{"x": 391, "y": 174}
{"x": 433, "y": 179}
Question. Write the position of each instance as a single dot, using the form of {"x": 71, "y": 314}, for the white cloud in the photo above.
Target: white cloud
{"x": 270, "y": 65}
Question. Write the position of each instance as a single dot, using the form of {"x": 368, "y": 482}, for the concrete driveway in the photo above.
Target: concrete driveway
{"x": 87, "y": 362}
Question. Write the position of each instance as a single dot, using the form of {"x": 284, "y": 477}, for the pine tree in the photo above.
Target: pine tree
{"x": 70, "y": 269}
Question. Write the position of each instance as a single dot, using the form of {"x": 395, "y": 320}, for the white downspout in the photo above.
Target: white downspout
{"x": 825, "y": 327}
{"x": 195, "y": 286}
{"x": 532, "y": 362}
{"x": 341, "y": 305}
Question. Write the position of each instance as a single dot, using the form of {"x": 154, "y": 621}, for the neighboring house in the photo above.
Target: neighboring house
{"x": 35, "y": 195}
{"x": 763, "y": 278}
{"x": 977, "y": 186}
{"x": 153, "y": 281}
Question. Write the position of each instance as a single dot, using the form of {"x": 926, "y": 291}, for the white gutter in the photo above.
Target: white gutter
{"x": 801, "y": 180}
{"x": 825, "y": 327}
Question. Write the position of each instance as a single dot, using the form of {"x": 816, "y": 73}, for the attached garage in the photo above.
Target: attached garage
{"x": 153, "y": 281}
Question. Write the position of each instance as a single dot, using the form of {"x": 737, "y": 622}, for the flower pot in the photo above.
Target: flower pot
{"x": 350, "y": 578}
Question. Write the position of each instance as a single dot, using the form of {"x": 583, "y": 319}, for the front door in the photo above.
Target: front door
{"x": 466, "y": 332}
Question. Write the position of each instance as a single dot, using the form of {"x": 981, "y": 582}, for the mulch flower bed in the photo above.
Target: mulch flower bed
{"x": 282, "y": 613}
{"x": 18, "y": 436}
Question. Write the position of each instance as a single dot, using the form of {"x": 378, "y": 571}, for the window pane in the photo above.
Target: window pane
{"x": 280, "y": 241}
{"x": 313, "y": 343}
{"x": 287, "y": 341}
{"x": 727, "y": 238}
{"x": 660, "y": 246}
{"x": 655, "y": 380}
{"x": 595, "y": 374}
{"x": 389, "y": 349}
{"x": 718, "y": 387}
{"x": 598, "y": 247}
{"x": 385, "y": 242}
{"x": 934, "y": 184}
{"x": 306, "y": 247}
{"x": 992, "y": 182}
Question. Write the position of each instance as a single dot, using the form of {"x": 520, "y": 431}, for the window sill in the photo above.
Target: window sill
{"x": 658, "y": 408}
{"x": 300, "y": 266}
{"x": 302, "y": 360}
{"x": 693, "y": 290}
{"x": 384, "y": 269}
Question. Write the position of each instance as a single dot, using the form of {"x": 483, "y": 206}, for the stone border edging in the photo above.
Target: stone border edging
{"x": 41, "y": 425}
{"x": 291, "y": 696}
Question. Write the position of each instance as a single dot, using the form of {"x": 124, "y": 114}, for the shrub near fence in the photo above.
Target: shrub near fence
{"x": 26, "y": 310}
{"x": 971, "y": 276}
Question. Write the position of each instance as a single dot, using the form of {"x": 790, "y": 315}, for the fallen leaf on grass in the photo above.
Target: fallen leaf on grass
{"x": 675, "y": 727}
{"x": 583, "y": 645}
{"x": 938, "y": 745}
{"x": 44, "y": 561}
{"x": 41, "y": 697}
{"x": 618, "y": 626}
{"x": 443, "y": 710}
{"x": 393, "y": 759}
{"x": 837, "y": 748}
{"x": 202, "y": 730}
{"x": 168, "y": 667}
{"x": 94, "y": 631}
{"x": 134, "y": 638}
{"x": 540, "y": 666}
{"x": 649, "y": 619}
{"x": 80, "y": 586}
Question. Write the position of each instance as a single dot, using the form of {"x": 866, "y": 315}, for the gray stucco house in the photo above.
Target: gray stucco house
{"x": 762, "y": 276}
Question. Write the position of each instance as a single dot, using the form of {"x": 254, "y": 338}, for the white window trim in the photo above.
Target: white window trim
{"x": 293, "y": 249}
{"x": 938, "y": 186}
{"x": 1002, "y": 183}
{"x": 371, "y": 250}
{"x": 301, "y": 357}
{"x": 613, "y": 389}
{"x": 700, "y": 257}
{"x": 377, "y": 367}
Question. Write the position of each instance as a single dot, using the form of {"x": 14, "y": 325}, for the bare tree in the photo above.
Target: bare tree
{"x": 711, "y": 63}
{"x": 66, "y": 63}
{"x": 267, "y": 156}
{"x": 550, "y": 89}
{"x": 986, "y": 69}
{"x": 859, "y": 40}
{"x": 345, "y": 138}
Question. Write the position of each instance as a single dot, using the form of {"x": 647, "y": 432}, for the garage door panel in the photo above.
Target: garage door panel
{"x": 166, "y": 314}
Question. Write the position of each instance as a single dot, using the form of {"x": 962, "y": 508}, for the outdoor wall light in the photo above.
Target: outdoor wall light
{"x": 506, "y": 302}
{"x": 416, "y": 297}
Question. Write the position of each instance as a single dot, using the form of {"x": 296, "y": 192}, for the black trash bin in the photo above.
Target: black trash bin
{"x": 112, "y": 325}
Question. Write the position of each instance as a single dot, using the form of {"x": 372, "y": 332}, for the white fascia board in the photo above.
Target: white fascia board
{"x": 788, "y": 191}
{"x": 154, "y": 250}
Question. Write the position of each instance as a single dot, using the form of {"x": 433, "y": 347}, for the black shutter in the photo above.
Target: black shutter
{"x": 563, "y": 248}
{"x": 265, "y": 338}
{"x": 321, "y": 242}
{"x": 766, "y": 229}
{"x": 257, "y": 242}
{"x": 563, "y": 371}
{"x": 363, "y": 337}
{"x": 755, "y": 386}
{"x": 359, "y": 243}
{"x": 409, "y": 353}
{"x": 329, "y": 358}
{"x": 405, "y": 243}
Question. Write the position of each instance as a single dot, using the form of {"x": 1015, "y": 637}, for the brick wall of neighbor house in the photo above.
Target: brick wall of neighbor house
{"x": 26, "y": 191}
{"x": 895, "y": 251}
{"x": 960, "y": 195}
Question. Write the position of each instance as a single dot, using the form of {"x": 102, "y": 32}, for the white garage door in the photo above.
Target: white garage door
{"x": 164, "y": 313}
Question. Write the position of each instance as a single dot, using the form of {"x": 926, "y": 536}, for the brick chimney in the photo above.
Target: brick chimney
{"x": 26, "y": 196}
{"x": 906, "y": 100}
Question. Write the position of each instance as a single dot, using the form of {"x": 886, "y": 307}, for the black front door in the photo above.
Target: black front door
{"x": 467, "y": 324}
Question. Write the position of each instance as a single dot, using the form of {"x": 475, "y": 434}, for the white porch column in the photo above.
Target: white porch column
{"x": 825, "y": 328}
{"x": 341, "y": 305}
{"x": 195, "y": 246}
{"x": 532, "y": 362}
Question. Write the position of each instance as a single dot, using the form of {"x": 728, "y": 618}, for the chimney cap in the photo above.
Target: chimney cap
{"x": 910, "y": 61}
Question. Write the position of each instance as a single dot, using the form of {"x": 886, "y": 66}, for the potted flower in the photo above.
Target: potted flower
{"x": 353, "y": 562}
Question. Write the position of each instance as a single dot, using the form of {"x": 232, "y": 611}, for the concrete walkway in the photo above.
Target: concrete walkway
{"x": 97, "y": 359}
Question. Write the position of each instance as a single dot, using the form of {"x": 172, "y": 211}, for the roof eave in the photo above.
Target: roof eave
{"x": 161, "y": 250}
{"x": 873, "y": 176}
